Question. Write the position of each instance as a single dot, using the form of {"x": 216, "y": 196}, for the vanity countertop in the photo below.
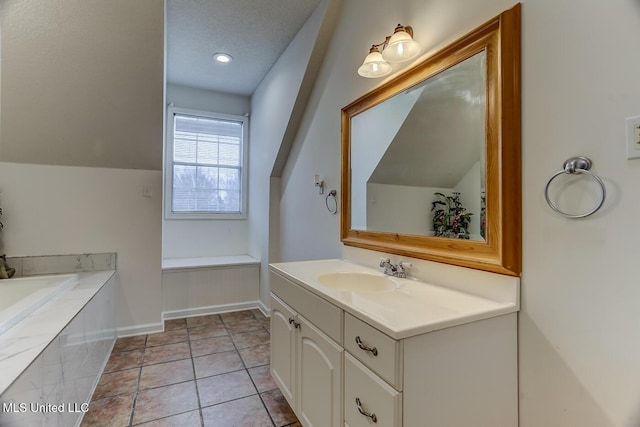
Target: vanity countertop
{"x": 414, "y": 308}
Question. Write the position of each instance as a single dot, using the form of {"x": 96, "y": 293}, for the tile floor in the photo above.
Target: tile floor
{"x": 202, "y": 371}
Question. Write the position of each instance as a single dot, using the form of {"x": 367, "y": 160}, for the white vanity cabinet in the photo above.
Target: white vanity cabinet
{"x": 306, "y": 363}
{"x": 460, "y": 376}
{"x": 336, "y": 369}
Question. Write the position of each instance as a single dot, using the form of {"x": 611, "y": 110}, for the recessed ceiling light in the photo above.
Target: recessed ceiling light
{"x": 222, "y": 57}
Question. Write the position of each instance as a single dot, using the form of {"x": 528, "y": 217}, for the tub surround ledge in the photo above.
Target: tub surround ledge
{"x": 60, "y": 264}
{"x": 21, "y": 345}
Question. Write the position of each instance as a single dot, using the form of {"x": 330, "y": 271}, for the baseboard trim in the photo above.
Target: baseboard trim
{"x": 263, "y": 308}
{"x": 149, "y": 328}
{"x": 215, "y": 309}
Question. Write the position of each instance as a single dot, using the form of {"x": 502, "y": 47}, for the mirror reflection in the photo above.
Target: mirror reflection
{"x": 418, "y": 158}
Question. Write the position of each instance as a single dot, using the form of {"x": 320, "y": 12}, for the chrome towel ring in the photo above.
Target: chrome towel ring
{"x": 576, "y": 165}
{"x": 333, "y": 209}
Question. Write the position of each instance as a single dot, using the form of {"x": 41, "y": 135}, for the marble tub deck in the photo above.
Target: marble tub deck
{"x": 202, "y": 371}
{"x": 21, "y": 345}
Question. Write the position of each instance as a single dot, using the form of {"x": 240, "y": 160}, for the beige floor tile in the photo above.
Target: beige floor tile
{"x": 255, "y": 356}
{"x": 210, "y": 331}
{"x": 236, "y": 316}
{"x": 261, "y": 376}
{"x": 187, "y": 419}
{"x": 156, "y": 403}
{"x": 225, "y": 387}
{"x": 109, "y": 412}
{"x": 250, "y": 339}
{"x": 247, "y": 411}
{"x": 208, "y": 320}
{"x": 130, "y": 343}
{"x": 124, "y": 360}
{"x": 170, "y": 325}
{"x": 164, "y": 338}
{"x": 166, "y": 353}
{"x": 278, "y": 408}
{"x": 258, "y": 314}
{"x": 149, "y": 379}
{"x": 118, "y": 382}
{"x": 166, "y": 373}
{"x": 211, "y": 345}
{"x": 243, "y": 326}
{"x": 218, "y": 363}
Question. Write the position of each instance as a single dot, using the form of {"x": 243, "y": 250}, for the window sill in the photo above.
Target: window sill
{"x": 199, "y": 216}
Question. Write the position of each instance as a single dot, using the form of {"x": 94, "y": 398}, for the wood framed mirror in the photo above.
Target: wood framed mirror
{"x": 431, "y": 160}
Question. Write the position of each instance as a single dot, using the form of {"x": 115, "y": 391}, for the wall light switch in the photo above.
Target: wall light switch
{"x": 633, "y": 137}
{"x": 146, "y": 191}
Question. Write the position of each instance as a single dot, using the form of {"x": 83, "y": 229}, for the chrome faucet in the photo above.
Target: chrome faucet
{"x": 402, "y": 269}
{"x": 389, "y": 269}
{"x": 399, "y": 270}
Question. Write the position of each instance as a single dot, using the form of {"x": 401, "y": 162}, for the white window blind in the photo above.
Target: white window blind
{"x": 207, "y": 164}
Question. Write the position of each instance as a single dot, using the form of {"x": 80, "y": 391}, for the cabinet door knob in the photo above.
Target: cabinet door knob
{"x": 373, "y": 350}
{"x": 365, "y": 413}
{"x": 297, "y": 325}
{"x": 291, "y": 320}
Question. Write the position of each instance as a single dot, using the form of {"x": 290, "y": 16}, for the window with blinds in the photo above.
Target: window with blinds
{"x": 207, "y": 164}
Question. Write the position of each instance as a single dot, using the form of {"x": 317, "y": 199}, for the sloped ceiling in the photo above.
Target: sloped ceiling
{"x": 443, "y": 134}
{"x": 253, "y": 32}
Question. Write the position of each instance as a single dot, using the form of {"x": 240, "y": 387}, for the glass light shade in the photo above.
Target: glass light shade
{"x": 401, "y": 47}
{"x": 374, "y": 66}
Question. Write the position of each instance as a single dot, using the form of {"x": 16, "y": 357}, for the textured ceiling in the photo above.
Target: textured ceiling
{"x": 253, "y": 32}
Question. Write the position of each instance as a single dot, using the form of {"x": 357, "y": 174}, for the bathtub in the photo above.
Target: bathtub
{"x": 21, "y": 297}
{"x": 58, "y": 334}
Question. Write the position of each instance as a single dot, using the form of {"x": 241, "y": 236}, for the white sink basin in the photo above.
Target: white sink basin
{"x": 358, "y": 282}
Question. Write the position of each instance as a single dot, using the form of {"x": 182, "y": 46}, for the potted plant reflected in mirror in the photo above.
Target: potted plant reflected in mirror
{"x": 450, "y": 218}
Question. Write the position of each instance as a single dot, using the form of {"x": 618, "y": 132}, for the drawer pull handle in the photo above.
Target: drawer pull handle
{"x": 365, "y": 413}
{"x": 373, "y": 350}
{"x": 295, "y": 324}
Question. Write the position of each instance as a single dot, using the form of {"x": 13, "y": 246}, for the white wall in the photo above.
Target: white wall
{"x": 579, "y": 350}
{"x": 401, "y": 208}
{"x": 371, "y": 134}
{"x": 276, "y": 107}
{"x": 193, "y": 291}
{"x": 54, "y": 210}
{"x": 82, "y": 85}
{"x": 202, "y": 238}
{"x": 207, "y": 100}
{"x": 407, "y": 209}
{"x": 60, "y": 56}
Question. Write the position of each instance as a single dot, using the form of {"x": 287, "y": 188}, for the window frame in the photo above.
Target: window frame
{"x": 169, "y": 163}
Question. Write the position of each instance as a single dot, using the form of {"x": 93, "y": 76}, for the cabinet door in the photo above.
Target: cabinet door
{"x": 283, "y": 348}
{"x": 319, "y": 378}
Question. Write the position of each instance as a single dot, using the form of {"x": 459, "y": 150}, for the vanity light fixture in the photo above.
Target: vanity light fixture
{"x": 398, "y": 47}
{"x": 222, "y": 57}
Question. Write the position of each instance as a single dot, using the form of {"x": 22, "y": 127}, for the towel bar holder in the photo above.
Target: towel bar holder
{"x": 572, "y": 166}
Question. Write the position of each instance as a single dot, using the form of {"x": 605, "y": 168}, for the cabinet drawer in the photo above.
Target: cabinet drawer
{"x": 324, "y": 315}
{"x": 385, "y": 360}
{"x": 374, "y": 395}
